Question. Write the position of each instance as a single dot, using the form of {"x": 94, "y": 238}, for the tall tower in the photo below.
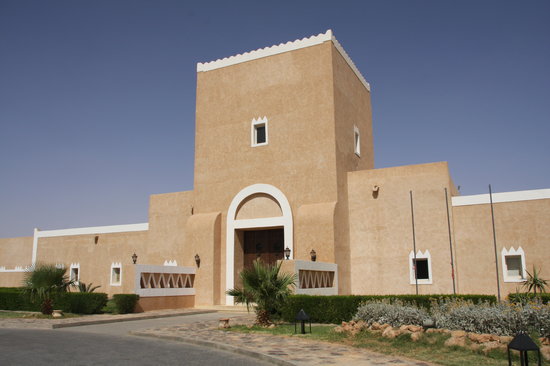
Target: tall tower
{"x": 296, "y": 117}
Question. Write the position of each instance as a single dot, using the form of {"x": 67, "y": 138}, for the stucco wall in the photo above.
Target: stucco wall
{"x": 168, "y": 215}
{"x": 16, "y": 252}
{"x": 520, "y": 223}
{"x": 381, "y": 228}
{"x": 294, "y": 91}
{"x": 96, "y": 258}
{"x": 315, "y": 230}
{"x": 11, "y": 279}
{"x": 203, "y": 232}
{"x": 352, "y": 109}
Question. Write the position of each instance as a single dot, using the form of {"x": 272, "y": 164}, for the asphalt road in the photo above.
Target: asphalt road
{"x": 109, "y": 344}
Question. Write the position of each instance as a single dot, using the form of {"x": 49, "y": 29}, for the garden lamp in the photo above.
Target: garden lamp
{"x": 302, "y": 317}
{"x": 523, "y": 343}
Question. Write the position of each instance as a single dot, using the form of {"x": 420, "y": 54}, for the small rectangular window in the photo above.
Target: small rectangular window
{"x": 513, "y": 266}
{"x": 357, "y": 141}
{"x": 74, "y": 274}
{"x": 259, "y": 132}
{"x": 422, "y": 271}
{"x": 116, "y": 274}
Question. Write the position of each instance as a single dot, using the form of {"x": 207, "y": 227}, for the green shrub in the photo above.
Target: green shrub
{"x": 70, "y": 302}
{"x": 81, "y": 302}
{"x": 335, "y": 309}
{"x": 12, "y": 298}
{"x": 125, "y": 303}
{"x": 110, "y": 307}
{"x": 519, "y": 297}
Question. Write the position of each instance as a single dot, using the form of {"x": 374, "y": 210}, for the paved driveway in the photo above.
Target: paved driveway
{"x": 110, "y": 344}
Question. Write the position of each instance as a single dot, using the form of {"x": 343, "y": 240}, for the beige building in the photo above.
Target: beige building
{"x": 284, "y": 162}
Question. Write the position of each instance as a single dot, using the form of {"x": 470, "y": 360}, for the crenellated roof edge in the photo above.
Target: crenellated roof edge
{"x": 281, "y": 48}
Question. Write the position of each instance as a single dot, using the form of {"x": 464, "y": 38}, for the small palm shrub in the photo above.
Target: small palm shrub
{"x": 535, "y": 282}
{"x": 396, "y": 313}
{"x": 44, "y": 282}
{"x": 82, "y": 287}
{"x": 265, "y": 287}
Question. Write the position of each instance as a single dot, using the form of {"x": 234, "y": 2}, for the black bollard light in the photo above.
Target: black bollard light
{"x": 523, "y": 343}
{"x": 302, "y": 317}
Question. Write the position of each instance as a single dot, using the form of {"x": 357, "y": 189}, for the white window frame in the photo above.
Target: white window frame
{"x": 113, "y": 267}
{"x": 77, "y": 267}
{"x": 420, "y": 255}
{"x": 253, "y": 131}
{"x": 513, "y": 253}
{"x": 356, "y": 141}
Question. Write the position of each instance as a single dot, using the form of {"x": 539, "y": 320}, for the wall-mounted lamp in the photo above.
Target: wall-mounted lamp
{"x": 96, "y": 239}
{"x": 287, "y": 253}
{"x": 134, "y": 258}
{"x": 198, "y": 260}
{"x": 375, "y": 191}
{"x": 313, "y": 255}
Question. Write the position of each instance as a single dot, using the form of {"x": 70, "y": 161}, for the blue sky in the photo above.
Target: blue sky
{"x": 97, "y": 98}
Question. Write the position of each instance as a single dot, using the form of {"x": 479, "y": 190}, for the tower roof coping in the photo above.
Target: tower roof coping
{"x": 281, "y": 48}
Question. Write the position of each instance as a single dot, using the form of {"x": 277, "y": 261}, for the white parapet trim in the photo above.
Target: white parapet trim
{"x": 281, "y": 48}
{"x": 84, "y": 231}
{"x": 480, "y": 199}
{"x": 16, "y": 269}
{"x": 94, "y": 230}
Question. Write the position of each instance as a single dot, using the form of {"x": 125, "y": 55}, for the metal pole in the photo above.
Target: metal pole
{"x": 414, "y": 244}
{"x": 450, "y": 242}
{"x": 494, "y": 240}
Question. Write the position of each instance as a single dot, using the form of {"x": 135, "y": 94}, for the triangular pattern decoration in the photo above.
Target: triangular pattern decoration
{"x": 166, "y": 280}
{"x": 315, "y": 279}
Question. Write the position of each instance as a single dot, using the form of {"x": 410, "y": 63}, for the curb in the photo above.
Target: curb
{"x": 220, "y": 346}
{"x": 119, "y": 320}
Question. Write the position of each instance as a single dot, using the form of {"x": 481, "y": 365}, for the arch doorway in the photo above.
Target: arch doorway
{"x": 259, "y": 225}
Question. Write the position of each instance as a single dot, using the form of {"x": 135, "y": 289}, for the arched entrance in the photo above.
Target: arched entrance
{"x": 256, "y": 208}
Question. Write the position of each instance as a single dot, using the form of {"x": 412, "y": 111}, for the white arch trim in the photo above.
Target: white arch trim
{"x": 285, "y": 221}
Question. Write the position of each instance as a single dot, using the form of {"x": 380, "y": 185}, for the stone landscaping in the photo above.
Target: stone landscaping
{"x": 460, "y": 338}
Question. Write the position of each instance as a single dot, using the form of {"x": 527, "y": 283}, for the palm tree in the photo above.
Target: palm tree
{"x": 534, "y": 282}
{"x": 265, "y": 287}
{"x": 82, "y": 287}
{"x": 44, "y": 282}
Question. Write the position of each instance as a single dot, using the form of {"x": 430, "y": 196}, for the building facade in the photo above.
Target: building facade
{"x": 284, "y": 160}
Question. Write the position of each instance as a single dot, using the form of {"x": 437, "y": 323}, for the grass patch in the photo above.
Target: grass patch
{"x": 319, "y": 332}
{"x": 429, "y": 348}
